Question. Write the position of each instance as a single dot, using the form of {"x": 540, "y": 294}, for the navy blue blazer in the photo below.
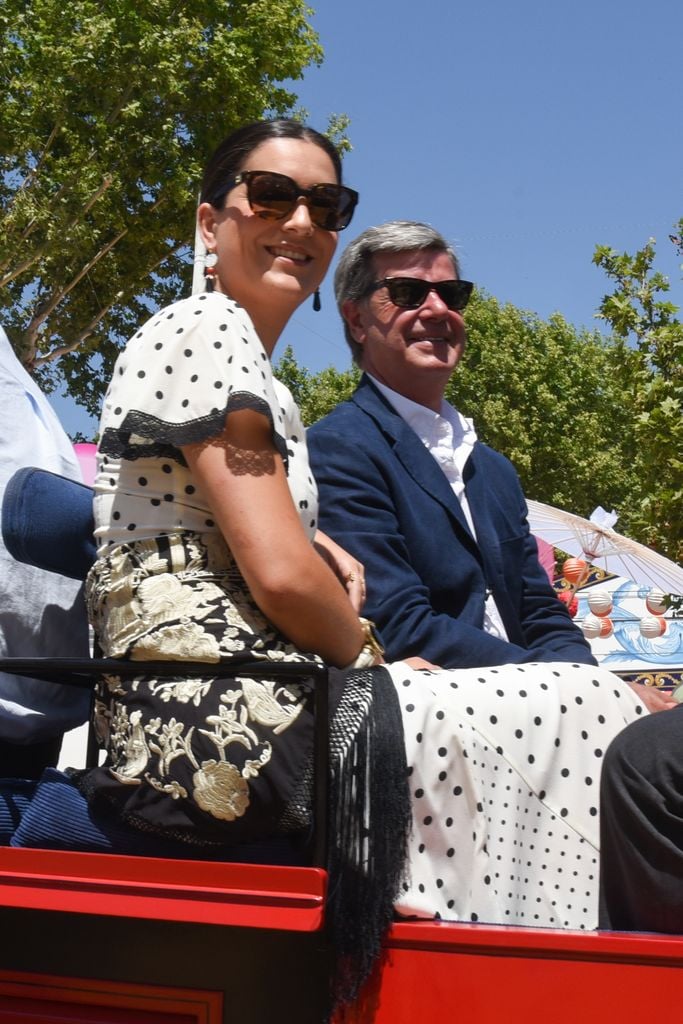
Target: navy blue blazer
{"x": 386, "y": 500}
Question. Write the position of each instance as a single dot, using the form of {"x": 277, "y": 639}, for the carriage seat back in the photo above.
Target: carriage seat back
{"x": 47, "y": 521}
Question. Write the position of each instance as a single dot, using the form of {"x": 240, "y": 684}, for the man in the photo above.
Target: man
{"x": 437, "y": 517}
{"x": 641, "y": 827}
{"x": 41, "y": 614}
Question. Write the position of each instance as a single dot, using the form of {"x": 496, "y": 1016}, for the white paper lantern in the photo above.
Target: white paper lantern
{"x": 652, "y": 626}
{"x": 591, "y": 627}
{"x": 600, "y": 602}
{"x": 654, "y": 602}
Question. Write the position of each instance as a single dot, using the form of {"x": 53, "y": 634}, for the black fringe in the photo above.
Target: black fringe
{"x": 369, "y": 825}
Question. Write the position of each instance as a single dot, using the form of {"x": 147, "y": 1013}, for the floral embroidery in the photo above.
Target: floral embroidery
{"x": 264, "y": 706}
{"x": 221, "y": 790}
{"x": 206, "y": 740}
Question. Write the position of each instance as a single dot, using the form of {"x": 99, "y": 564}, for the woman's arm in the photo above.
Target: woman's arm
{"x": 244, "y": 481}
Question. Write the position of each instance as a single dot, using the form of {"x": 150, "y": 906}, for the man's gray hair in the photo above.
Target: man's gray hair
{"x": 356, "y": 273}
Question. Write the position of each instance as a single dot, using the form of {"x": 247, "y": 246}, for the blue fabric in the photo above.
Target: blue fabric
{"x": 47, "y": 521}
{"x": 60, "y": 818}
{"x": 385, "y": 499}
{"x": 15, "y": 797}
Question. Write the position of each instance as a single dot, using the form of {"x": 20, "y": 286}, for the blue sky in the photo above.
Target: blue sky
{"x": 527, "y": 132}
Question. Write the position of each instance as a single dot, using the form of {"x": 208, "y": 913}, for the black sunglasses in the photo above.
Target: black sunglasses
{"x": 274, "y": 196}
{"x": 411, "y": 292}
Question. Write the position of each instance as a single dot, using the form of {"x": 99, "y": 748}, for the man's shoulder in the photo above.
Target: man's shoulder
{"x": 345, "y": 412}
{"x": 485, "y": 452}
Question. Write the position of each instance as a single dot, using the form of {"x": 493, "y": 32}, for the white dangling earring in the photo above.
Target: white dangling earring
{"x": 210, "y": 261}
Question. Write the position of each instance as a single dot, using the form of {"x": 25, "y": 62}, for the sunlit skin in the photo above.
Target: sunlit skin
{"x": 412, "y": 351}
{"x": 283, "y": 259}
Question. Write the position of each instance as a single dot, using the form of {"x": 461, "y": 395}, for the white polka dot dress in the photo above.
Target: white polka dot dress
{"x": 505, "y": 774}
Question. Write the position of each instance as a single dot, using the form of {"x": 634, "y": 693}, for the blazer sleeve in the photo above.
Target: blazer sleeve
{"x": 357, "y": 509}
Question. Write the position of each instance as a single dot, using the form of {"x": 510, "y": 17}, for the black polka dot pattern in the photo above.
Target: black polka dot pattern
{"x": 504, "y": 781}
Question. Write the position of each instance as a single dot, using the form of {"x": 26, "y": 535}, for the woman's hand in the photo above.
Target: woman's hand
{"x": 348, "y": 570}
{"x": 654, "y": 699}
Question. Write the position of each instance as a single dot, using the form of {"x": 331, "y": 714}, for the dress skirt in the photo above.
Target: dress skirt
{"x": 504, "y": 770}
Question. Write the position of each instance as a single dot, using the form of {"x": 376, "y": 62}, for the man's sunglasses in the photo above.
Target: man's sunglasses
{"x": 411, "y": 292}
{"x": 274, "y": 196}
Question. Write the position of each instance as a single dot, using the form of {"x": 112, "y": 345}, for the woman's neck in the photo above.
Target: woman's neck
{"x": 269, "y": 327}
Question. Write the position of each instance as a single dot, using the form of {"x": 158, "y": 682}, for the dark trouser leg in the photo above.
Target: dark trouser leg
{"x": 27, "y": 760}
{"x": 641, "y": 881}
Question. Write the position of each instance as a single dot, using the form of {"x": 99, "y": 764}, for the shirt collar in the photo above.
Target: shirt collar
{"x": 433, "y": 428}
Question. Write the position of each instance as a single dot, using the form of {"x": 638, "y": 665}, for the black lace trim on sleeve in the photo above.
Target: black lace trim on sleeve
{"x": 143, "y": 436}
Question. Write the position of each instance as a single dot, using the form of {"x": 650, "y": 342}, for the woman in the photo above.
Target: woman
{"x": 205, "y": 513}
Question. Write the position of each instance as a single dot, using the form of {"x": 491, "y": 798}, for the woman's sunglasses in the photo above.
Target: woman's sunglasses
{"x": 411, "y": 292}
{"x": 274, "y": 196}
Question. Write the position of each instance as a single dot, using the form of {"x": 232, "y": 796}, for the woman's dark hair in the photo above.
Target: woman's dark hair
{"x": 228, "y": 158}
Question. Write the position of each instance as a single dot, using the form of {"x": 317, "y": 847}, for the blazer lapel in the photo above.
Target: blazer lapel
{"x": 478, "y": 492}
{"x": 411, "y": 453}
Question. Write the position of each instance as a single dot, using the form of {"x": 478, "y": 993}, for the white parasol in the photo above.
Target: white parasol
{"x": 596, "y": 541}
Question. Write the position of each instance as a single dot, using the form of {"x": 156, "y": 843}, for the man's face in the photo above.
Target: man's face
{"x": 412, "y": 351}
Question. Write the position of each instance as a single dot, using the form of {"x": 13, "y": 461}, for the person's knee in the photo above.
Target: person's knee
{"x": 629, "y": 752}
{"x": 648, "y": 749}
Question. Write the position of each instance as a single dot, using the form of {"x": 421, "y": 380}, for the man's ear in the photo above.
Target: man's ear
{"x": 353, "y": 315}
{"x": 206, "y": 222}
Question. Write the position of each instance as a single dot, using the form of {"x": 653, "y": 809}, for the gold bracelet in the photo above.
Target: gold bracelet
{"x": 371, "y": 650}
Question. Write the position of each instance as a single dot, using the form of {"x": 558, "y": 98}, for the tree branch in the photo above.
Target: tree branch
{"x": 52, "y": 302}
{"x": 31, "y": 176}
{"x": 62, "y": 350}
{"x": 23, "y": 267}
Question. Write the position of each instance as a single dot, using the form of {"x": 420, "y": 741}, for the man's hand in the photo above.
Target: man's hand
{"x": 654, "y": 699}
{"x": 421, "y": 663}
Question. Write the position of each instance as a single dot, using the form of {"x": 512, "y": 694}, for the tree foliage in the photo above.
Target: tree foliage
{"x": 316, "y": 394}
{"x": 107, "y": 110}
{"x": 542, "y": 392}
{"x": 649, "y": 369}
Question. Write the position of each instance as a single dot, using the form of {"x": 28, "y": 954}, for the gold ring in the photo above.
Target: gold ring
{"x": 350, "y": 577}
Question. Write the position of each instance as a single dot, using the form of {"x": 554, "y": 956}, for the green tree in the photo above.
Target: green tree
{"x": 107, "y": 110}
{"x": 649, "y": 369}
{"x": 315, "y": 394}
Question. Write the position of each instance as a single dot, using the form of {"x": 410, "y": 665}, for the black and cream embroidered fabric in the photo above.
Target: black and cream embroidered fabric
{"x": 210, "y": 744}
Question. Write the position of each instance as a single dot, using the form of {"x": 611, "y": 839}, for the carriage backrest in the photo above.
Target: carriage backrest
{"x": 47, "y": 521}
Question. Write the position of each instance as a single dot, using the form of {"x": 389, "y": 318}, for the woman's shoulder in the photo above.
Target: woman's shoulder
{"x": 196, "y": 312}
{"x": 209, "y": 328}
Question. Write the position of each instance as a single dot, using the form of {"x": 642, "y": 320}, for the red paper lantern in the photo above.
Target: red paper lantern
{"x": 571, "y": 601}
{"x": 575, "y": 570}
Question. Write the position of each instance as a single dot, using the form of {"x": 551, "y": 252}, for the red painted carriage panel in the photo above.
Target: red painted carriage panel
{"x": 251, "y": 896}
{"x": 45, "y": 999}
{"x": 444, "y": 972}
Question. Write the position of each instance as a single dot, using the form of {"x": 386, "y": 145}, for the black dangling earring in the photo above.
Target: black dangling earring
{"x": 316, "y": 300}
